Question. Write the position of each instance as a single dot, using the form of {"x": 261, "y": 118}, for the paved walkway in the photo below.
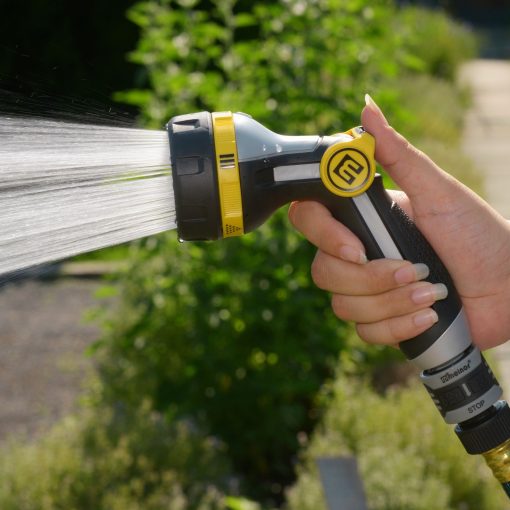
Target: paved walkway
{"x": 487, "y": 142}
{"x": 487, "y": 133}
{"x": 42, "y": 364}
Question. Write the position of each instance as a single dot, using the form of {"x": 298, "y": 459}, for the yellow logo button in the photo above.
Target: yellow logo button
{"x": 348, "y": 168}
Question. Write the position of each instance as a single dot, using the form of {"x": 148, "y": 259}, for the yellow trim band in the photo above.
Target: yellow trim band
{"x": 227, "y": 165}
{"x": 347, "y": 168}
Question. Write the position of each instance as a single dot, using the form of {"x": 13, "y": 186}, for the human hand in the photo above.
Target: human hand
{"x": 387, "y": 298}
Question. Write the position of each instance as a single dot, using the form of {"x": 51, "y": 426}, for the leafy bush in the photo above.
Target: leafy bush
{"x": 121, "y": 461}
{"x": 408, "y": 458}
{"x": 296, "y": 66}
{"x": 235, "y": 337}
{"x": 437, "y": 44}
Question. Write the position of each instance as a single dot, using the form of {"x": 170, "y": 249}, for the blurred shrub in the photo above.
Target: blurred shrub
{"x": 296, "y": 66}
{"x": 233, "y": 336}
{"x": 121, "y": 461}
{"x": 436, "y": 43}
{"x": 408, "y": 458}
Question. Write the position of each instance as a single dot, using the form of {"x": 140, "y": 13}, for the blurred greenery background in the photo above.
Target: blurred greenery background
{"x": 223, "y": 374}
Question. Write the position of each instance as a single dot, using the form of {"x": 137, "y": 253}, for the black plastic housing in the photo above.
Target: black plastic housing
{"x": 487, "y": 431}
{"x": 262, "y": 197}
{"x": 194, "y": 177}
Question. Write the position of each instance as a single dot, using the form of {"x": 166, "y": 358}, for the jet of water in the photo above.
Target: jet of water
{"x": 68, "y": 188}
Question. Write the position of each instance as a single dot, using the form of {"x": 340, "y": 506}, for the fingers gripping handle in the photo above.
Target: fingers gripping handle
{"x": 455, "y": 374}
{"x": 387, "y": 232}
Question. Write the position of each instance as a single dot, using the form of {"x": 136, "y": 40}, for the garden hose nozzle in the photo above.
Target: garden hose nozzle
{"x": 230, "y": 174}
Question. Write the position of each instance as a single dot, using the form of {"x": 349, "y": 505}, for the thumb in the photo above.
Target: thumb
{"x": 414, "y": 172}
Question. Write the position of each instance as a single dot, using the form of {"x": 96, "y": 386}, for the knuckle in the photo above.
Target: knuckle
{"x": 363, "y": 331}
{"x": 318, "y": 271}
{"x": 339, "y": 306}
{"x": 376, "y": 277}
{"x": 398, "y": 330}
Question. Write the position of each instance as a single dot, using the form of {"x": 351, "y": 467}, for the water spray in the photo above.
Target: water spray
{"x": 67, "y": 187}
{"x": 230, "y": 174}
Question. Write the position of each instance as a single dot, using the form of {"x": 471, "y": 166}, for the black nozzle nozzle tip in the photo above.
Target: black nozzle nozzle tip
{"x": 194, "y": 177}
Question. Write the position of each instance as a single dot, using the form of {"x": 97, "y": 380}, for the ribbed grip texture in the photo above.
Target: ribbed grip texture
{"x": 413, "y": 246}
{"x": 422, "y": 251}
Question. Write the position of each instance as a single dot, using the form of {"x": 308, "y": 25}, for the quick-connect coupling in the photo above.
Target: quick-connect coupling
{"x": 464, "y": 388}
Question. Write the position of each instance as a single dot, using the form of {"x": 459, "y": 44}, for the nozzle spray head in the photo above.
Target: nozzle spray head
{"x": 230, "y": 173}
{"x": 194, "y": 177}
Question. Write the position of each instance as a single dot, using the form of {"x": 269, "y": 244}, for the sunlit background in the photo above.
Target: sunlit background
{"x": 159, "y": 375}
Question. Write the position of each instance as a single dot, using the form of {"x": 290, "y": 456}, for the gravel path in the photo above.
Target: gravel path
{"x": 42, "y": 341}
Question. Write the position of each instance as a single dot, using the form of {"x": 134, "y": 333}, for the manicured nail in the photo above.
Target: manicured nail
{"x": 351, "y": 254}
{"x": 429, "y": 293}
{"x": 373, "y": 106}
{"x": 425, "y": 318}
{"x": 411, "y": 273}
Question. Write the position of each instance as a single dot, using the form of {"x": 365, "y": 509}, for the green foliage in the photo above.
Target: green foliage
{"x": 408, "y": 458}
{"x": 121, "y": 461}
{"x": 232, "y": 335}
{"x": 231, "y": 331}
{"x": 296, "y": 66}
{"x": 436, "y": 43}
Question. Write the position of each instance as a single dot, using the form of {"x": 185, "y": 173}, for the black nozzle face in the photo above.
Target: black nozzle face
{"x": 194, "y": 177}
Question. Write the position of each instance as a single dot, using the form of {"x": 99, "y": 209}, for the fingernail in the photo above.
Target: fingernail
{"x": 411, "y": 273}
{"x": 429, "y": 293}
{"x": 373, "y": 106}
{"x": 292, "y": 208}
{"x": 351, "y": 254}
{"x": 425, "y": 318}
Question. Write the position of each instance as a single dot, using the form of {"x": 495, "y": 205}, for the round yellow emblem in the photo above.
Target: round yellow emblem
{"x": 346, "y": 168}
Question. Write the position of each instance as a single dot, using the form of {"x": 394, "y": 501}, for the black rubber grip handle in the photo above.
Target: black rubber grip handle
{"x": 412, "y": 246}
{"x": 262, "y": 196}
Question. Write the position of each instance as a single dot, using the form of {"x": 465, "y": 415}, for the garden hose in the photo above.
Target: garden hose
{"x": 230, "y": 174}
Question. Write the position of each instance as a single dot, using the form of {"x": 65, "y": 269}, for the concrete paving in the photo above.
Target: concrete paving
{"x": 43, "y": 337}
{"x": 487, "y": 141}
{"x": 487, "y": 130}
